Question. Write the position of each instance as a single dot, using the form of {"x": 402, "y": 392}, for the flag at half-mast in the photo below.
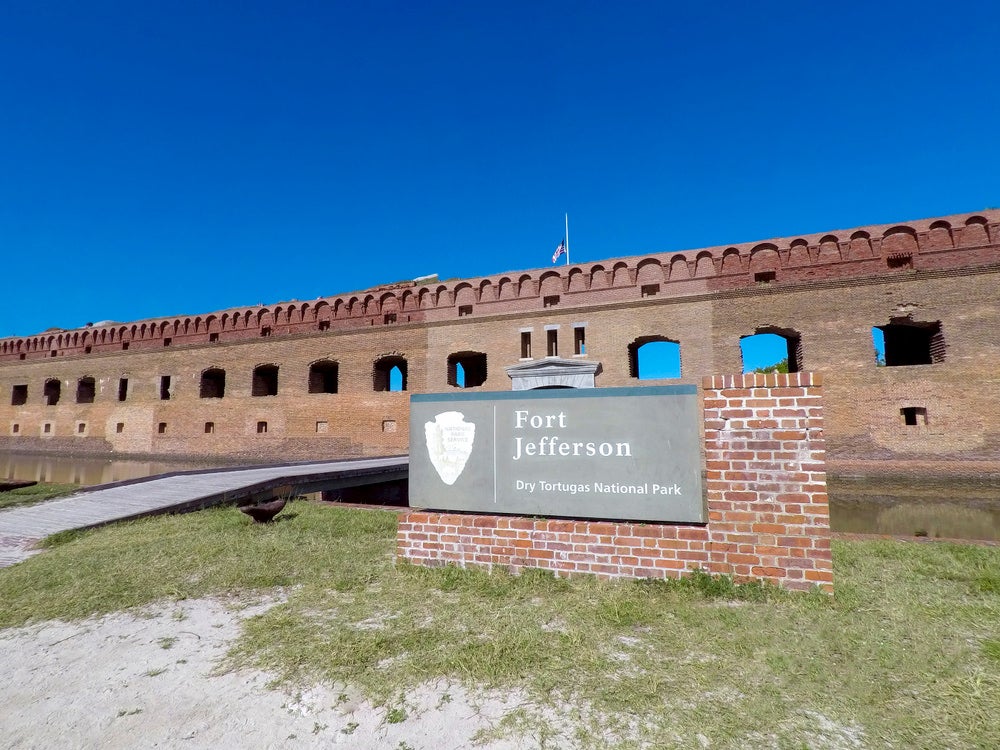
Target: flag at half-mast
{"x": 559, "y": 250}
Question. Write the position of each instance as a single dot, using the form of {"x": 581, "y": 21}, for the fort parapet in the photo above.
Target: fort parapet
{"x": 316, "y": 379}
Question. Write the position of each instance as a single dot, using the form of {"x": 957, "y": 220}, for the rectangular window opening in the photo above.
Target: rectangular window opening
{"x": 388, "y": 318}
{"x": 15, "y": 428}
{"x": 164, "y": 388}
{"x": 464, "y": 310}
{"x": 120, "y": 428}
{"x": 125, "y": 346}
{"x": 525, "y": 344}
{"x": 899, "y": 261}
{"x": 552, "y": 343}
{"x": 47, "y": 428}
{"x": 209, "y": 428}
{"x": 19, "y": 395}
{"x": 122, "y": 389}
{"x": 914, "y": 416}
{"x": 265, "y": 331}
{"x": 550, "y": 301}
{"x": 53, "y": 353}
{"x": 168, "y": 341}
{"x": 765, "y": 277}
{"x": 88, "y": 349}
{"x": 213, "y": 338}
{"x": 161, "y": 428}
{"x": 262, "y": 428}
{"x": 650, "y": 290}
{"x": 324, "y": 325}
{"x": 322, "y": 427}
{"x": 388, "y": 425}
{"x": 81, "y": 428}
{"x": 579, "y": 341}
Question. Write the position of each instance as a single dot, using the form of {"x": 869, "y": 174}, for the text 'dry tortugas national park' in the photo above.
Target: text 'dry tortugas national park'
{"x": 584, "y": 457}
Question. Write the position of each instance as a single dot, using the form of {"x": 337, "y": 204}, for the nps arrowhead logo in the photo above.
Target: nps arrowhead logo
{"x": 449, "y": 444}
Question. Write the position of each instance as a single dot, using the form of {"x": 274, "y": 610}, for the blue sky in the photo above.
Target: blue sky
{"x": 169, "y": 158}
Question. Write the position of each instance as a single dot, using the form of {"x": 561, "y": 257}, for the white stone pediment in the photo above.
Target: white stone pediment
{"x": 553, "y": 372}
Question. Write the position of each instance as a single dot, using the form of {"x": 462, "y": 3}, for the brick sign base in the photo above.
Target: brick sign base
{"x": 767, "y": 505}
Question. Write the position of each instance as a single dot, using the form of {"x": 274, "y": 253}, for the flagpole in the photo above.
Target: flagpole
{"x": 567, "y": 239}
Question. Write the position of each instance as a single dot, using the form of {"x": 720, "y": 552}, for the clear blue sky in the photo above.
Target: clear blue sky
{"x": 180, "y": 157}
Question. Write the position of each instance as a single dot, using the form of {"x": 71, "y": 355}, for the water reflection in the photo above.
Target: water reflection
{"x": 947, "y": 507}
{"x": 83, "y": 470}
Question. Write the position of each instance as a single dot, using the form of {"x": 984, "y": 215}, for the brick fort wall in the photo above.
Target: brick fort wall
{"x": 823, "y": 292}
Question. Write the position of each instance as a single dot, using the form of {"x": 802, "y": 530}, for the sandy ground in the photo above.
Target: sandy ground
{"x": 151, "y": 681}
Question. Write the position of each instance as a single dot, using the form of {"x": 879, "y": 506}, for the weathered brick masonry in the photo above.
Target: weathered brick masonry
{"x": 935, "y": 279}
{"x": 766, "y": 493}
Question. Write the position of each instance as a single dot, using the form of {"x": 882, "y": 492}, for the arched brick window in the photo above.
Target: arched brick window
{"x": 654, "y": 357}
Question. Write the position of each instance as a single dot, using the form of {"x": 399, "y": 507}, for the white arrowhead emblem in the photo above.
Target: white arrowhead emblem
{"x": 449, "y": 444}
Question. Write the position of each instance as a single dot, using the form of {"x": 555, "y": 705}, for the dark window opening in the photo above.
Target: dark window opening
{"x": 161, "y": 428}
{"x": 323, "y": 376}
{"x": 15, "y": 428}
{"x": 551, "y": 301}
{"x": 552, "y": 343}
{"x": 650, "y": 290}
{"x": 19, "y": 395}
{"x": 120, "y": 427}
{"x": 81, "y": 428}
{"x": 53, "y": 353}
{"x": 464, "y": 310}
{"x": 913, "y": 415}
{"x": 525, "y": 344}
{"x": 213, "y": 383}
{"x": 389, "y": 374}
{"x": 265, "y": 331}
{"x": 47, "y": 428}
{"x": 466, "y": 369}
{"x": 213, "y": 338}
{"x": 168, "y": 341}
{"x": 261, "y": 428}
{"x": 324, "y": 325}
{"x": 905, "y": 343}
{"x": 209, "y": 428}
{"x": 899, "y": 261}
{"x": 654, "y": 357}
{"x": 122, "y": 389}
{"x": 389, "y": 318}
{"x": 164, "y": 387}
{"x": 579, "y": 340}
{"x": 265, "y": 381}
{"x": 22, "y": 356}
{"x": 125, "y": 346}
{"x": 86, "y": 389}
{"x": 772, "y": 350}
{"x": 88, "y": 349}
{"x": 52, "y": 392}
{"x": 765, "y": 277}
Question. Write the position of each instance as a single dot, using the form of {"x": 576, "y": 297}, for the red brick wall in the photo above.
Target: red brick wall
{"x": 828, "y": 290}
{"x": 765, "y": 474}
{"x": 767, "y": 505}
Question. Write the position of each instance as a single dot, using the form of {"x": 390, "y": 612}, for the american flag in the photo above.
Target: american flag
{"x": 559, "y": 250}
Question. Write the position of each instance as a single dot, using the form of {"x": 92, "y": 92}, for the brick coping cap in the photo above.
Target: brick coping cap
{"x": 763, "y": 380}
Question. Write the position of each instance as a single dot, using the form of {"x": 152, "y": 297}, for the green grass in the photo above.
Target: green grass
{"x": 34, "y": 494}
{"x": 907, "y": 654}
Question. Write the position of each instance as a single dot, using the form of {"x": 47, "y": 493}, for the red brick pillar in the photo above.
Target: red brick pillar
{"x": 769, "y": 516}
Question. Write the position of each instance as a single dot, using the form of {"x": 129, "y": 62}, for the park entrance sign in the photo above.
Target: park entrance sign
{"x": 613, "y": 453}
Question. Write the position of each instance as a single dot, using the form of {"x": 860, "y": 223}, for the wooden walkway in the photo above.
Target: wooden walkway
{"x": 21, "y": 528}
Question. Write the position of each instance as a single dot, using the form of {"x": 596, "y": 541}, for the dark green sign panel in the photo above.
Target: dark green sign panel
{"x": 617, "y": 453}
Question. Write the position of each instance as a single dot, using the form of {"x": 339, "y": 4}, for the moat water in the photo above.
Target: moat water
{"x": 946, "y": 507}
